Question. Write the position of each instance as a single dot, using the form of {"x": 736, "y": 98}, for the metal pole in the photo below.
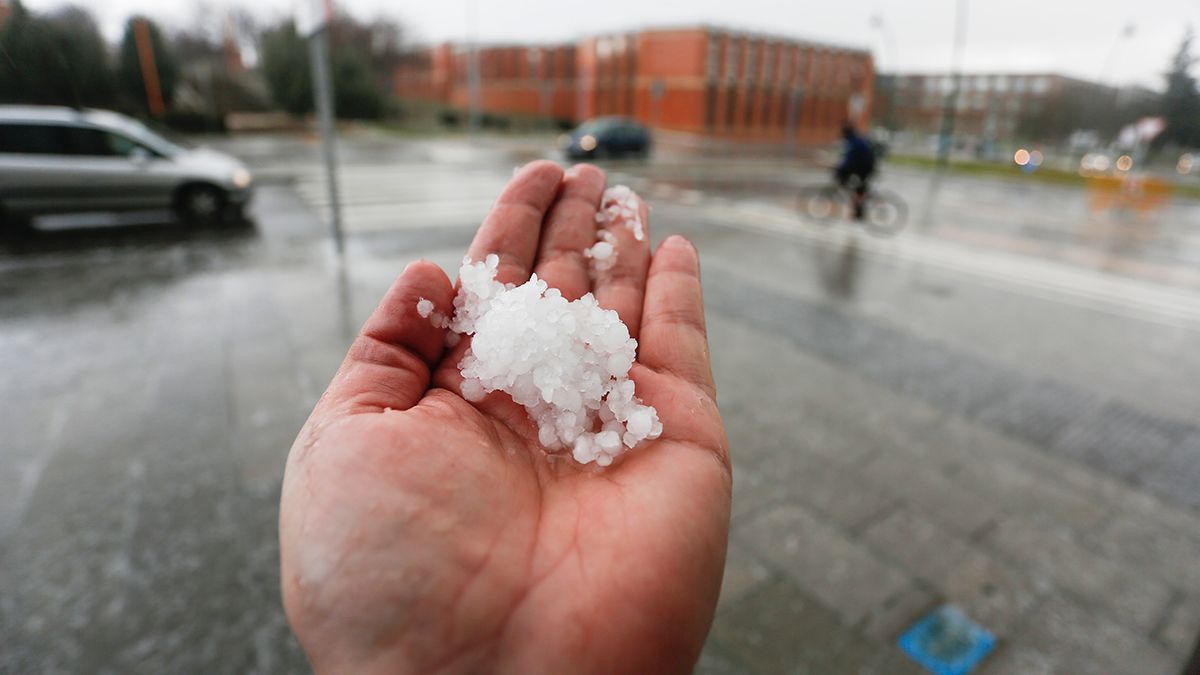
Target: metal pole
{"x": 1126, "y": 32}
{"x": 323, "y": 94}
{"x": 473, "y": 66}
{"x": 950, "y": 108}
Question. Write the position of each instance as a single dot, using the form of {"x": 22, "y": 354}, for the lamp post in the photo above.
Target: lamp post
{"x": 473, "y": 85}
{"x": 1127, "y": 32}
{"x": 889, "y": 43}
{"x": 950, "y": 107}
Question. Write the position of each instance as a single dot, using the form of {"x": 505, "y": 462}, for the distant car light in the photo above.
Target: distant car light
{"x": 1186, "y": 164}
{"x": 587, "y": 143}
{"x": 1124, "y": 163}
{"x": 1036, "y": 158}
{"x": 1021, "y": 157}
{"x": 241, "y": 179}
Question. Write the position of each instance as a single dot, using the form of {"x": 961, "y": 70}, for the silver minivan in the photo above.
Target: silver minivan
{"x": 63, "y": 160}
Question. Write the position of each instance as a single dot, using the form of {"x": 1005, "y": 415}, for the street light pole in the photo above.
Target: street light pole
{"x": 318, "y": 43}
{"x": 1106, "y": 71}
{"x": 950, "y": 107}
{"x": 893, "y": 62}
{"x": 889, "y": 41}
{"x": 473, "y": 84}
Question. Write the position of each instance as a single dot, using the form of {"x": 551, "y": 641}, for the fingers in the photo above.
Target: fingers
{"x": 622, "y": 287}
{"x": 513, "y": 227}
{"x": 571, "y": 228}
{"x": 389, "y": 364}
{"x": 673, "y": 337}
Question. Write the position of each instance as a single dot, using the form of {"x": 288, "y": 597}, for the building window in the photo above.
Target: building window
{"x": 770, "y": 53}
{"x": 1001, "y": 83}
{"x": 751, "y": 52}
{"x": 1041, "y": 85}
{"x": 1019, "y": 84}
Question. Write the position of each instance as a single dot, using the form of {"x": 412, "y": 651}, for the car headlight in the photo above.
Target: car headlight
{"x": 241, "y": 178}
{"x": 587, "y": 143}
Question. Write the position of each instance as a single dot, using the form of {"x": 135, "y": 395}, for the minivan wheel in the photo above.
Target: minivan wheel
{"x": 200, "y": 205}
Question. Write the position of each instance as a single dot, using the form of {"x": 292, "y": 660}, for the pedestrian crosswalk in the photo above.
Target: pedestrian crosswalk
{"x": 378, "y": 198}
{"x": 403, "y": 196}
{"x": 1048, "y": 279}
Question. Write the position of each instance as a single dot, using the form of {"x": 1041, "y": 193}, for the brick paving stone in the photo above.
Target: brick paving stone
{"x": 1127, "y": 594}
{"x": 1020, "y": 480}
{"x": 1179, "y": 630}
{"x": 743, "y": 573}
{"x": 945, "y": 501}
{"x": 1120, "y": 439}
{"x": 993, "y": 593}
{"x": 823, "y": 560}
{"x": 896, "y": 614}
{"x": 782, "y": 629}
{"x": 1061, "y": 636}
{"x": 925, "y": 550}
{"x": 1037, "y": 411}
{"x": 1177, "y": 472}
{"x": 1151, "y": 546}
{"x": 835, "y": 491}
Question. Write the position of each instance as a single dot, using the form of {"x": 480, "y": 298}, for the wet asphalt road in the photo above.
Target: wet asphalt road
{"x": 155, "y": 377}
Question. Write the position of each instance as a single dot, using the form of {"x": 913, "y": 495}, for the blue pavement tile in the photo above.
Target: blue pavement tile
{"x": 947, "y": 642}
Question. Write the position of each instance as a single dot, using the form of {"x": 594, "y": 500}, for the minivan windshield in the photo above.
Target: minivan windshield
{"x": 153, "y": 140}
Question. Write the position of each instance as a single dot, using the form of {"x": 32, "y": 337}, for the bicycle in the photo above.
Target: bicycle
{"x": 884, "y": 212}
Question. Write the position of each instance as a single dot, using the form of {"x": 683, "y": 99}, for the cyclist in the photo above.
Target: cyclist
{"x": 858, "y": 163}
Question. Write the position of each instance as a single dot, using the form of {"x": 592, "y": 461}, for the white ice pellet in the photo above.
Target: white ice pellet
{"x": 566, "y": 362}
{"x": 620, "y": 204}
{"x": 424, "y": 308}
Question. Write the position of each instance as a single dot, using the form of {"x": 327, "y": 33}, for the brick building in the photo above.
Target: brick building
{"x": 700, "y": 80}
{"x": 1000, "y": 106}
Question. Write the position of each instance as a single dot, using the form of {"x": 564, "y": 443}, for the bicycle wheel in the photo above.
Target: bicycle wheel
{"x": 821, "y": 203}
{"x": 886, "y": 214}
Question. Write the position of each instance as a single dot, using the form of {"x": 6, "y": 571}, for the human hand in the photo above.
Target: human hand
{"x": 423, "y": 533}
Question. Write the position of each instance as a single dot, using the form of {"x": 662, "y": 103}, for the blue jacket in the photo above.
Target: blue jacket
{"x": 858, "y": 157}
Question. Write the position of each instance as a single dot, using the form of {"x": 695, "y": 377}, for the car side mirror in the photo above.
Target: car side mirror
{"x": 139, "y": 156}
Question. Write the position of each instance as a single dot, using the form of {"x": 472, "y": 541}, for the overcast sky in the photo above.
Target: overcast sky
{"x": 1074, "y": 37}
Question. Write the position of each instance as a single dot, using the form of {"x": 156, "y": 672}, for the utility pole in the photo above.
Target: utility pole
{"x": 950, "y": 107}
{"x": 318, "y": 43}
{"x": 145, "y": 50}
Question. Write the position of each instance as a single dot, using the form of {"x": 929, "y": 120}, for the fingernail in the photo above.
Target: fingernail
{"x": 678, "y": 241}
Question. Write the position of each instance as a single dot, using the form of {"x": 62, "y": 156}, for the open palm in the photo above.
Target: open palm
{"x": 424, "y": 533}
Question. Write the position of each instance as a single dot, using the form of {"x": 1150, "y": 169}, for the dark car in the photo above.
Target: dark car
{"x": 607, "y": 137}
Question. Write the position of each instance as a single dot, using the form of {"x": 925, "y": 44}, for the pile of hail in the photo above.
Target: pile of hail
{"x": 619, "y": 205}
{"x": 567, "y": 362}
